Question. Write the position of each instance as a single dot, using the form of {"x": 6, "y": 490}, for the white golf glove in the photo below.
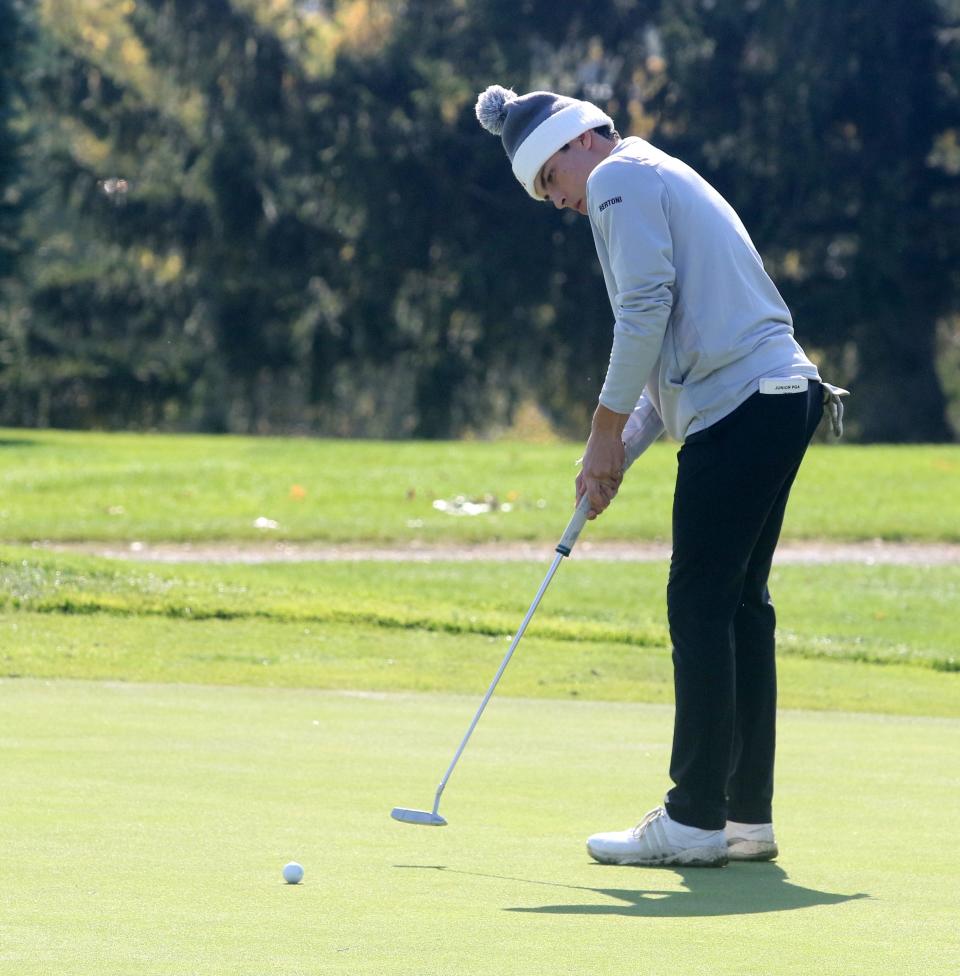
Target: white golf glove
{"x": 833, "y": 404}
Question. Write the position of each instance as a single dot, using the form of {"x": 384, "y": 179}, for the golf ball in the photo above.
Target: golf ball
{"x": 292, "y": 873}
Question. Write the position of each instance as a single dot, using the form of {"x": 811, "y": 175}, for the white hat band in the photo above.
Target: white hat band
{"x": 553, "y": 133}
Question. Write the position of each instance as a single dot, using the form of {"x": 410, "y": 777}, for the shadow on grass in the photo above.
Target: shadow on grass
{"x": 738, "y": 889}
{"x": 17, "y": 442}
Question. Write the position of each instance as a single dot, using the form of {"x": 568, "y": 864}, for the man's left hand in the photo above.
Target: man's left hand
{"x": 603, "y": 461}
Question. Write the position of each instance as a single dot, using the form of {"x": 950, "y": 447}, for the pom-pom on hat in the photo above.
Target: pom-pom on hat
{"x": 533, "y": 127}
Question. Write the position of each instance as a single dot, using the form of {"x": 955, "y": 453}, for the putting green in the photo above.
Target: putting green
{"x": 145, "y": 827}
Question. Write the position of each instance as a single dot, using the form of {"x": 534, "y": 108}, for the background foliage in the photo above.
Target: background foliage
{"x": 283, "y": 217}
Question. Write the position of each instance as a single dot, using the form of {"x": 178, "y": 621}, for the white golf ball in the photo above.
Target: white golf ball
{"x": 292, "y": 873}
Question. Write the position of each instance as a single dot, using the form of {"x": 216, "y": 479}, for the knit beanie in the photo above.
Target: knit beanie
{"x": 533, "y": 127}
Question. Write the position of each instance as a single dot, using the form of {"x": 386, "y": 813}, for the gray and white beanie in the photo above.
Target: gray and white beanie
{"x": 534, "y": 126}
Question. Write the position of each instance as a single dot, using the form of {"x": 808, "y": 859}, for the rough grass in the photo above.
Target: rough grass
{"x": 852, "y": 637}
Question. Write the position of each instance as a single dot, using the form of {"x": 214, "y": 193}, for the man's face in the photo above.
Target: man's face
{"x": 563, "y": 178}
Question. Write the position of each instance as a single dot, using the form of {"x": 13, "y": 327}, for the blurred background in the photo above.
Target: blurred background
{"x": 281, "y": 216}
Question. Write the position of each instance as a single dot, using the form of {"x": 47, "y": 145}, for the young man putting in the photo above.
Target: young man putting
{"x": 703, "y": 347}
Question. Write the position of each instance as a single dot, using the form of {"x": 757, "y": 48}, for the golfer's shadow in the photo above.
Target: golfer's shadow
{"x": 738, "y": 889}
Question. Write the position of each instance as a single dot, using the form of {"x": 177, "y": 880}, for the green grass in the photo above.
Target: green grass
{"x": 223, "y": 720}
{"x": 79, "y": 486}
{"x": 145, "y": 828}
{"x": 852, "y": 637}
{"x": 262, "y": 653}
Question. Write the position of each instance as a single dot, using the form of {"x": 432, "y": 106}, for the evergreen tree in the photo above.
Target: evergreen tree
{"x": 823, "y": 137}
{"x": 12, "y": 36}
{"x": 284, "y": 217}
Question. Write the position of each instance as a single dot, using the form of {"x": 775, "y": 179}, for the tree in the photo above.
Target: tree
{"x": 177, "y": 145}
{"x": 12, "y": 36}
{"x": 284, "y": 216}
{"x": 824, "y": 140}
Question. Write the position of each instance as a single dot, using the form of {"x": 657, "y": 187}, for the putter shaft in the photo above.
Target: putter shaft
{"x": 503, "y": 666}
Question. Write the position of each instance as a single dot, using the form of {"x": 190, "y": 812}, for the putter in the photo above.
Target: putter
{"x": 432, "y": 818}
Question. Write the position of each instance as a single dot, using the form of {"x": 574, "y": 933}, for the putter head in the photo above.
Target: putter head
{"x": 422, "y": 817}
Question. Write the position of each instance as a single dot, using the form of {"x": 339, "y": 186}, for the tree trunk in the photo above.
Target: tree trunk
{"x": 897, "y": 383}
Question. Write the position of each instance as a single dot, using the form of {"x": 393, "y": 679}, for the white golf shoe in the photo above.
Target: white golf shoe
{"x": 750, "y": 842}
{"x": 659, "y": 841}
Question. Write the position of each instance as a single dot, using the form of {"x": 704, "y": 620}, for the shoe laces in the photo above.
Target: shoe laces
{"x": 655, "y": 814}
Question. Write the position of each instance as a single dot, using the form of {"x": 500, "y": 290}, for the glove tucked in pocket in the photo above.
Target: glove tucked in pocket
{"x": 833, "y": 404}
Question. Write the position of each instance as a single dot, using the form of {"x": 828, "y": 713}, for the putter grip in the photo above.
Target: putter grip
{"x": 574, "y": 527}
{"x": 579, "y": 519}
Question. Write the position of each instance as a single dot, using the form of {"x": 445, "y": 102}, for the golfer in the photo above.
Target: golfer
{"x": 703, "y": 347}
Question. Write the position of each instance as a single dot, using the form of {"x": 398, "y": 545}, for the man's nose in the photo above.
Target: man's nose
{"x": 559, "y": 200}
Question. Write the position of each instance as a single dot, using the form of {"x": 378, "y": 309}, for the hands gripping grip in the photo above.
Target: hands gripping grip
{"x": 579, "y": 518}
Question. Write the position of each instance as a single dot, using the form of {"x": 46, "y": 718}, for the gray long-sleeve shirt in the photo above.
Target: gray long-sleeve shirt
{"x": 698, "y": 322}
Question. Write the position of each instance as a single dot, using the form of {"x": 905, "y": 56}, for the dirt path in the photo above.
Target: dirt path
{"x": 867, "y": 553}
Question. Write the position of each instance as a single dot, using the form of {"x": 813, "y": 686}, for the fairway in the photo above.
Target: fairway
{"x": 146, "y": 826}
{"x": 63, "y": 485}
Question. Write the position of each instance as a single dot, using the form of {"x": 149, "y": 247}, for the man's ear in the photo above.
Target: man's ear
{"x": 586, "y": 138}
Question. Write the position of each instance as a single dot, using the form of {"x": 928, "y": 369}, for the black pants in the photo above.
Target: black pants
{"x": 733, "y": 481}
